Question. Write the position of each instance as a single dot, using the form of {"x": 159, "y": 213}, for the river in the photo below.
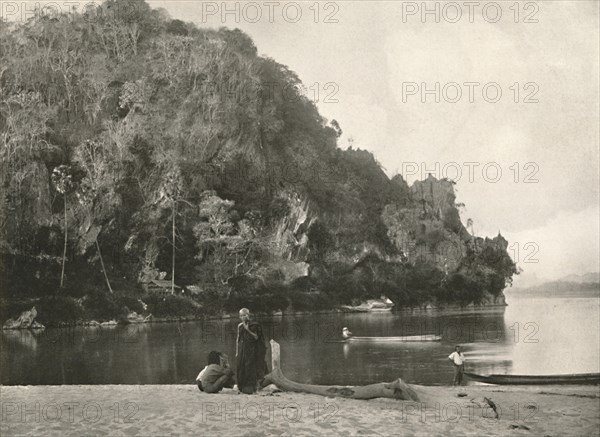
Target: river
{"x": 530, "y": 336}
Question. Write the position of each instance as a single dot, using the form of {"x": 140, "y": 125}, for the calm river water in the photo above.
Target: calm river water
{"x": 530, "y": 336}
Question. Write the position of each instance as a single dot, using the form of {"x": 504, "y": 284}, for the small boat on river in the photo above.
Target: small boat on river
{"x": 577, "y": 378}
{"x": 411, "y": 338}
{"x": 348, "y": 336}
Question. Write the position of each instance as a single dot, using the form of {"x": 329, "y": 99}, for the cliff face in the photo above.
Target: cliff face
{"x": 420, "y": 225}
{"x": 439, "y": 200}
{"x": 415, "y": 228}
{"x": 290, "y": 235}
{"x": 26, "y": 199}
{"x": 165, "y": 154}
{"x": 428, "y": 227}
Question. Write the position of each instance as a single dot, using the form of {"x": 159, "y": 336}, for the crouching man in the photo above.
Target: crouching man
{"x": 216, "y": 375}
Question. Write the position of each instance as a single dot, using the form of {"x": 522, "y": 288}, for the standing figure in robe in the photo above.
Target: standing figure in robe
{"x": 250, "y": 353}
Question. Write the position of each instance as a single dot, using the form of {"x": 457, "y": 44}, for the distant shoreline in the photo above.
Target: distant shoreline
{"x": 558, "y": 289}
{"x": 228, "y": 316}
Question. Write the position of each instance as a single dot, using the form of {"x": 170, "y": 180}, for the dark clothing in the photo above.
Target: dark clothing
{"x": 458, "y": 374}
{"x": 251, "y": 365}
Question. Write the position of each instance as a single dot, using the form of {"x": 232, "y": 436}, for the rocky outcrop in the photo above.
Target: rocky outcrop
{"x": 109, "y": 323}
{"x": 292, "y": 270}
{"x": 291, "y": 231}
{"x": 429, "y": 228}
{"x": 25, "y": 321}
{"x": 439, "y": 196}
{"x": 134, "y": 317}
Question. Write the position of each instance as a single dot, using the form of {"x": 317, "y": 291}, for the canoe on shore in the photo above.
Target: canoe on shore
{"x": 579, "y": 378}
{"x": 396, "y": 339}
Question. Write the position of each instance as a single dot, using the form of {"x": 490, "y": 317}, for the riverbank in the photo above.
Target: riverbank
{"x": 141, "y": 410}
{"x": 133, "y": 317}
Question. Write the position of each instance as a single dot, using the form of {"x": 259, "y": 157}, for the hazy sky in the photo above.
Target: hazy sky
{"x": 378, "y": 52}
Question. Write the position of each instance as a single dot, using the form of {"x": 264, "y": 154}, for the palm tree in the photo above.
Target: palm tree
{"x": 171, "y": 192}
{"x": 63, "y": 183}
{"x": 86, "y": 195}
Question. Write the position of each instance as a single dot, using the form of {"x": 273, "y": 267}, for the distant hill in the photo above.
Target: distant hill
{"x": 586, "y": 285}
{"x": 580, "y": 279}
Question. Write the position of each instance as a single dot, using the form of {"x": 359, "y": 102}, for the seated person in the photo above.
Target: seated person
{"x": 216, "y": 375}
{"x": 346, "y": 333}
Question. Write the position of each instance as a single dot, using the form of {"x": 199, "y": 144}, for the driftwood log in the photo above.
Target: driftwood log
{"x": 396, "y": 390}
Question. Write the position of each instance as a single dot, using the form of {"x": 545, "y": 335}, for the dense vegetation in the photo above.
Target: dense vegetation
{"x": 126, "y": 134}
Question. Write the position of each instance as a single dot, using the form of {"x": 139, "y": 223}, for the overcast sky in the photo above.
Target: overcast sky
{"x": 378, "y": 55}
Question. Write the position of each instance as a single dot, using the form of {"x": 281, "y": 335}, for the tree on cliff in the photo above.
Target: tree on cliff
{"x": 230, "y": 244}
{"x": 95, "y": 193}
{"x": 63, "y": 182}
{"x": 171, "y": 193}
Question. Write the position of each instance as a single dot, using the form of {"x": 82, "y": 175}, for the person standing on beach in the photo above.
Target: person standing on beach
{"x": 458, "y": 360}
{"x": 250, "y": 351}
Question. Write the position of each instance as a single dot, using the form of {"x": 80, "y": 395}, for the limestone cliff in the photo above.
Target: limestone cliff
{"x": 158, "y": 167}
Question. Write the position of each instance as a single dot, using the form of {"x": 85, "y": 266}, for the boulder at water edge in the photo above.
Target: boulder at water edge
{"x": 25, "y": 321}
{"x": 134, "y": 317}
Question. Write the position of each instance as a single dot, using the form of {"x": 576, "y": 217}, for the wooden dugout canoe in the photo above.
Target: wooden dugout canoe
{"x": 577, "y": 378}
{"x": 411, "y": 338}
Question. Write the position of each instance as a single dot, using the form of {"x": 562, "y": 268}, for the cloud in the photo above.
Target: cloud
{"x": 566, "y": 244}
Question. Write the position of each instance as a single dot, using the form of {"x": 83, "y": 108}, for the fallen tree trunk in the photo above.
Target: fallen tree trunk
{"x": 396, "y": 390}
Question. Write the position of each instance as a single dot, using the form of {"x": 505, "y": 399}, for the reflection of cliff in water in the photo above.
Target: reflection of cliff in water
{"x": 14, "y": 339}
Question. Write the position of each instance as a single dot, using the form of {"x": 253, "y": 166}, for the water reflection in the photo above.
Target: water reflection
{"x": 553, "y": 336}
{"x": 494, "y": 341}
{"x": 26, "y": 339}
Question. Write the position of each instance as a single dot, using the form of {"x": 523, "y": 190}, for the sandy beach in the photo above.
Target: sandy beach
{"x": 128, "y": 410}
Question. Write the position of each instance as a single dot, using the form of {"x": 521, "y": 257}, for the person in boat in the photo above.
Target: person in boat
{"x": 216, "y": 375}
{"x": 458, "y": 361}
{"x": 250, "y": 351}
{"x": 346, "y": 334}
